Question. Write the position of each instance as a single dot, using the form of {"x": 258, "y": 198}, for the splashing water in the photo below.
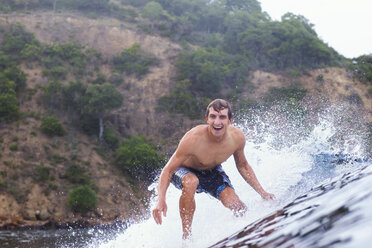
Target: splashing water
{"x": 288, "y": 161}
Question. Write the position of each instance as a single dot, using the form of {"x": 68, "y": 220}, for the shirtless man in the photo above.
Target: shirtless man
{"x": 196, "y": 166}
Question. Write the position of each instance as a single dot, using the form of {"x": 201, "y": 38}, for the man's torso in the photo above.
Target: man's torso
{"x": 205, "y": 154}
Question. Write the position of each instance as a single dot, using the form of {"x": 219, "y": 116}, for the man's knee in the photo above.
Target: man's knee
{"x": 230, "y": 199}
{"x": 190, "y": 182}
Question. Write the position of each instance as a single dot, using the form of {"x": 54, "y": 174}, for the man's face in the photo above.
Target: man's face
{"x": 218, "y": 121}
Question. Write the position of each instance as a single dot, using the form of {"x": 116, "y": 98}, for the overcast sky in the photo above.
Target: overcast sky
{"x": 345, "y": 25}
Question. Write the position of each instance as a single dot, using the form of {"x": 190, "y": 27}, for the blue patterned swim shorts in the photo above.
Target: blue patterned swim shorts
{"x": 211, "y": 181}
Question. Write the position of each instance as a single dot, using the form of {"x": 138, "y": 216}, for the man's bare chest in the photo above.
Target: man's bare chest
{"x": 207, "y": 157}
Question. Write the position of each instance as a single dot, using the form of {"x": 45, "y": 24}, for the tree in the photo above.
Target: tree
{"x": 98, "y": 6}
{"x": 133, "y": 61}
{"x": 16, "y": 39}
{"x": 100, "y": 99}
{"x": 182, "y": 100}
{"x": 249, "y": 6}
{"x": 25, "y": 3}
{"x": 73, "y": 96}
{"x": 51, "y": 126}
{"x": 12, "y": 80}
{"x": 31, "y": 52}
{"x": 362, "y": 68}
{"x": 14, "y": 74}
{"x": 213, "y": 19}
{"x": 55, "y": 5}
{"x": 153, "y": 11}
{"x": 239, "y": 22}
{"x": 54, "y": 95}
{"x": 8, "y": 99}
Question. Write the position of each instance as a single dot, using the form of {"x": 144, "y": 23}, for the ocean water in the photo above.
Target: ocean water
{"x": 318, "y": 169}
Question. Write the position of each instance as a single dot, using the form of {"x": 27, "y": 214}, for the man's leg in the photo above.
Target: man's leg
{"x": 187, "y": 202}
{"x": 231, "y": 200}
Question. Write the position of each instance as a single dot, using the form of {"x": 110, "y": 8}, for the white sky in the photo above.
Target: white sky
{"x": 345, "y": 25}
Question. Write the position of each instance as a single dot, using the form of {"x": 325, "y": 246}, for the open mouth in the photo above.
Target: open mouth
{"x": 217, "y": 128}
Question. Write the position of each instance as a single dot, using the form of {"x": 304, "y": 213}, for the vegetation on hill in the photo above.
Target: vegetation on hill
{"x": 234, "y": 37}
{"x": 75, "y": 88}
{"x": 362, "y": 68}
{"x": 12, "y": 82}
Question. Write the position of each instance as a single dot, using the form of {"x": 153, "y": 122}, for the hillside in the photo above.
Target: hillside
{"x": 29, "y": 198}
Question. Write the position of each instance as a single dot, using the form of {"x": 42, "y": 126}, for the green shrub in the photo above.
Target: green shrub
{"x": 8, "y": 99}
{"x": 13, "y": 147}
{"x": 64, "y": 57}
{"x": 31, "y": 52}
{"x": 17, "y": 39}
{"x": 126, "y": 14}
{"x": 82, "y": 199}
{"x": 17, "y": 193}
{"x": 290, "y": 93}
{"x": 51, "y": 126}
{"x": 320, "y": 78}
{"x": 56, "y": 158}
{"x": 53, "y": 96}
{"x": 134, "y": 61}
{"x": 116, "y": 79}
{"x": 294, "y": 73}
{"x": 3, "y": 174}
{"x": 362, "y": 68}
{"x": 42, "y": 173}
{"x": 369, "y": 93}
{"x": 57, "y": 72}
{"x": 76, "y": 174}
{"x": 181, "y": 100}
{"x": 138, "y": 158}
{"x": 4, "y": 8}
{"x": 14, "y": 74}
{"x": 111, "y": 139}
{"x": 100, "y": 79}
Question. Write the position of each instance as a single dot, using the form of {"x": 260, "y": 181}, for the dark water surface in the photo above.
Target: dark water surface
{"x": 76, "y": 238}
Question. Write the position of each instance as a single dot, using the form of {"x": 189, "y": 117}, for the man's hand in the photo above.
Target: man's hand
{"x": 161, "y": 207}
{"x": 267, "y": 196}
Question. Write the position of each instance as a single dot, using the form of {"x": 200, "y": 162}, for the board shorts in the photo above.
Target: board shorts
{"x": 211, "y": 181}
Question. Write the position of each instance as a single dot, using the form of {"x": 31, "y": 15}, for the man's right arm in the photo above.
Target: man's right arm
{"x": 165, "y": 177}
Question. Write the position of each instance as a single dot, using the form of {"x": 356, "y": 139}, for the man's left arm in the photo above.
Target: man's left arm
{"x": 248, "y": 174}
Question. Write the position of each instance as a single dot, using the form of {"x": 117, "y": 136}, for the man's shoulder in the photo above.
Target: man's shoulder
{"x": 197, "y": 130}
{"x": 237, "y": 135}
{"x": 190, "y": 139}
{"x": 236, "y": 131}
{"x": 194, "y": 133}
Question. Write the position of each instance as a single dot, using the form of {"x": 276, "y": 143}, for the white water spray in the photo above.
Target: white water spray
{"x": 278, "y": 170}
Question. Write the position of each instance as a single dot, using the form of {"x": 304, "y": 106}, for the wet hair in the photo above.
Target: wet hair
{"x": 218, "y": 105}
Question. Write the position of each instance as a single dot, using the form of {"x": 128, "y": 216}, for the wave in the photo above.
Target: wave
{"x": 308, "y": 164}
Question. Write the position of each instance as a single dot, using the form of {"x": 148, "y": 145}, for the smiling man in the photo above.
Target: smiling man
{"x": 195, "y": 166}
